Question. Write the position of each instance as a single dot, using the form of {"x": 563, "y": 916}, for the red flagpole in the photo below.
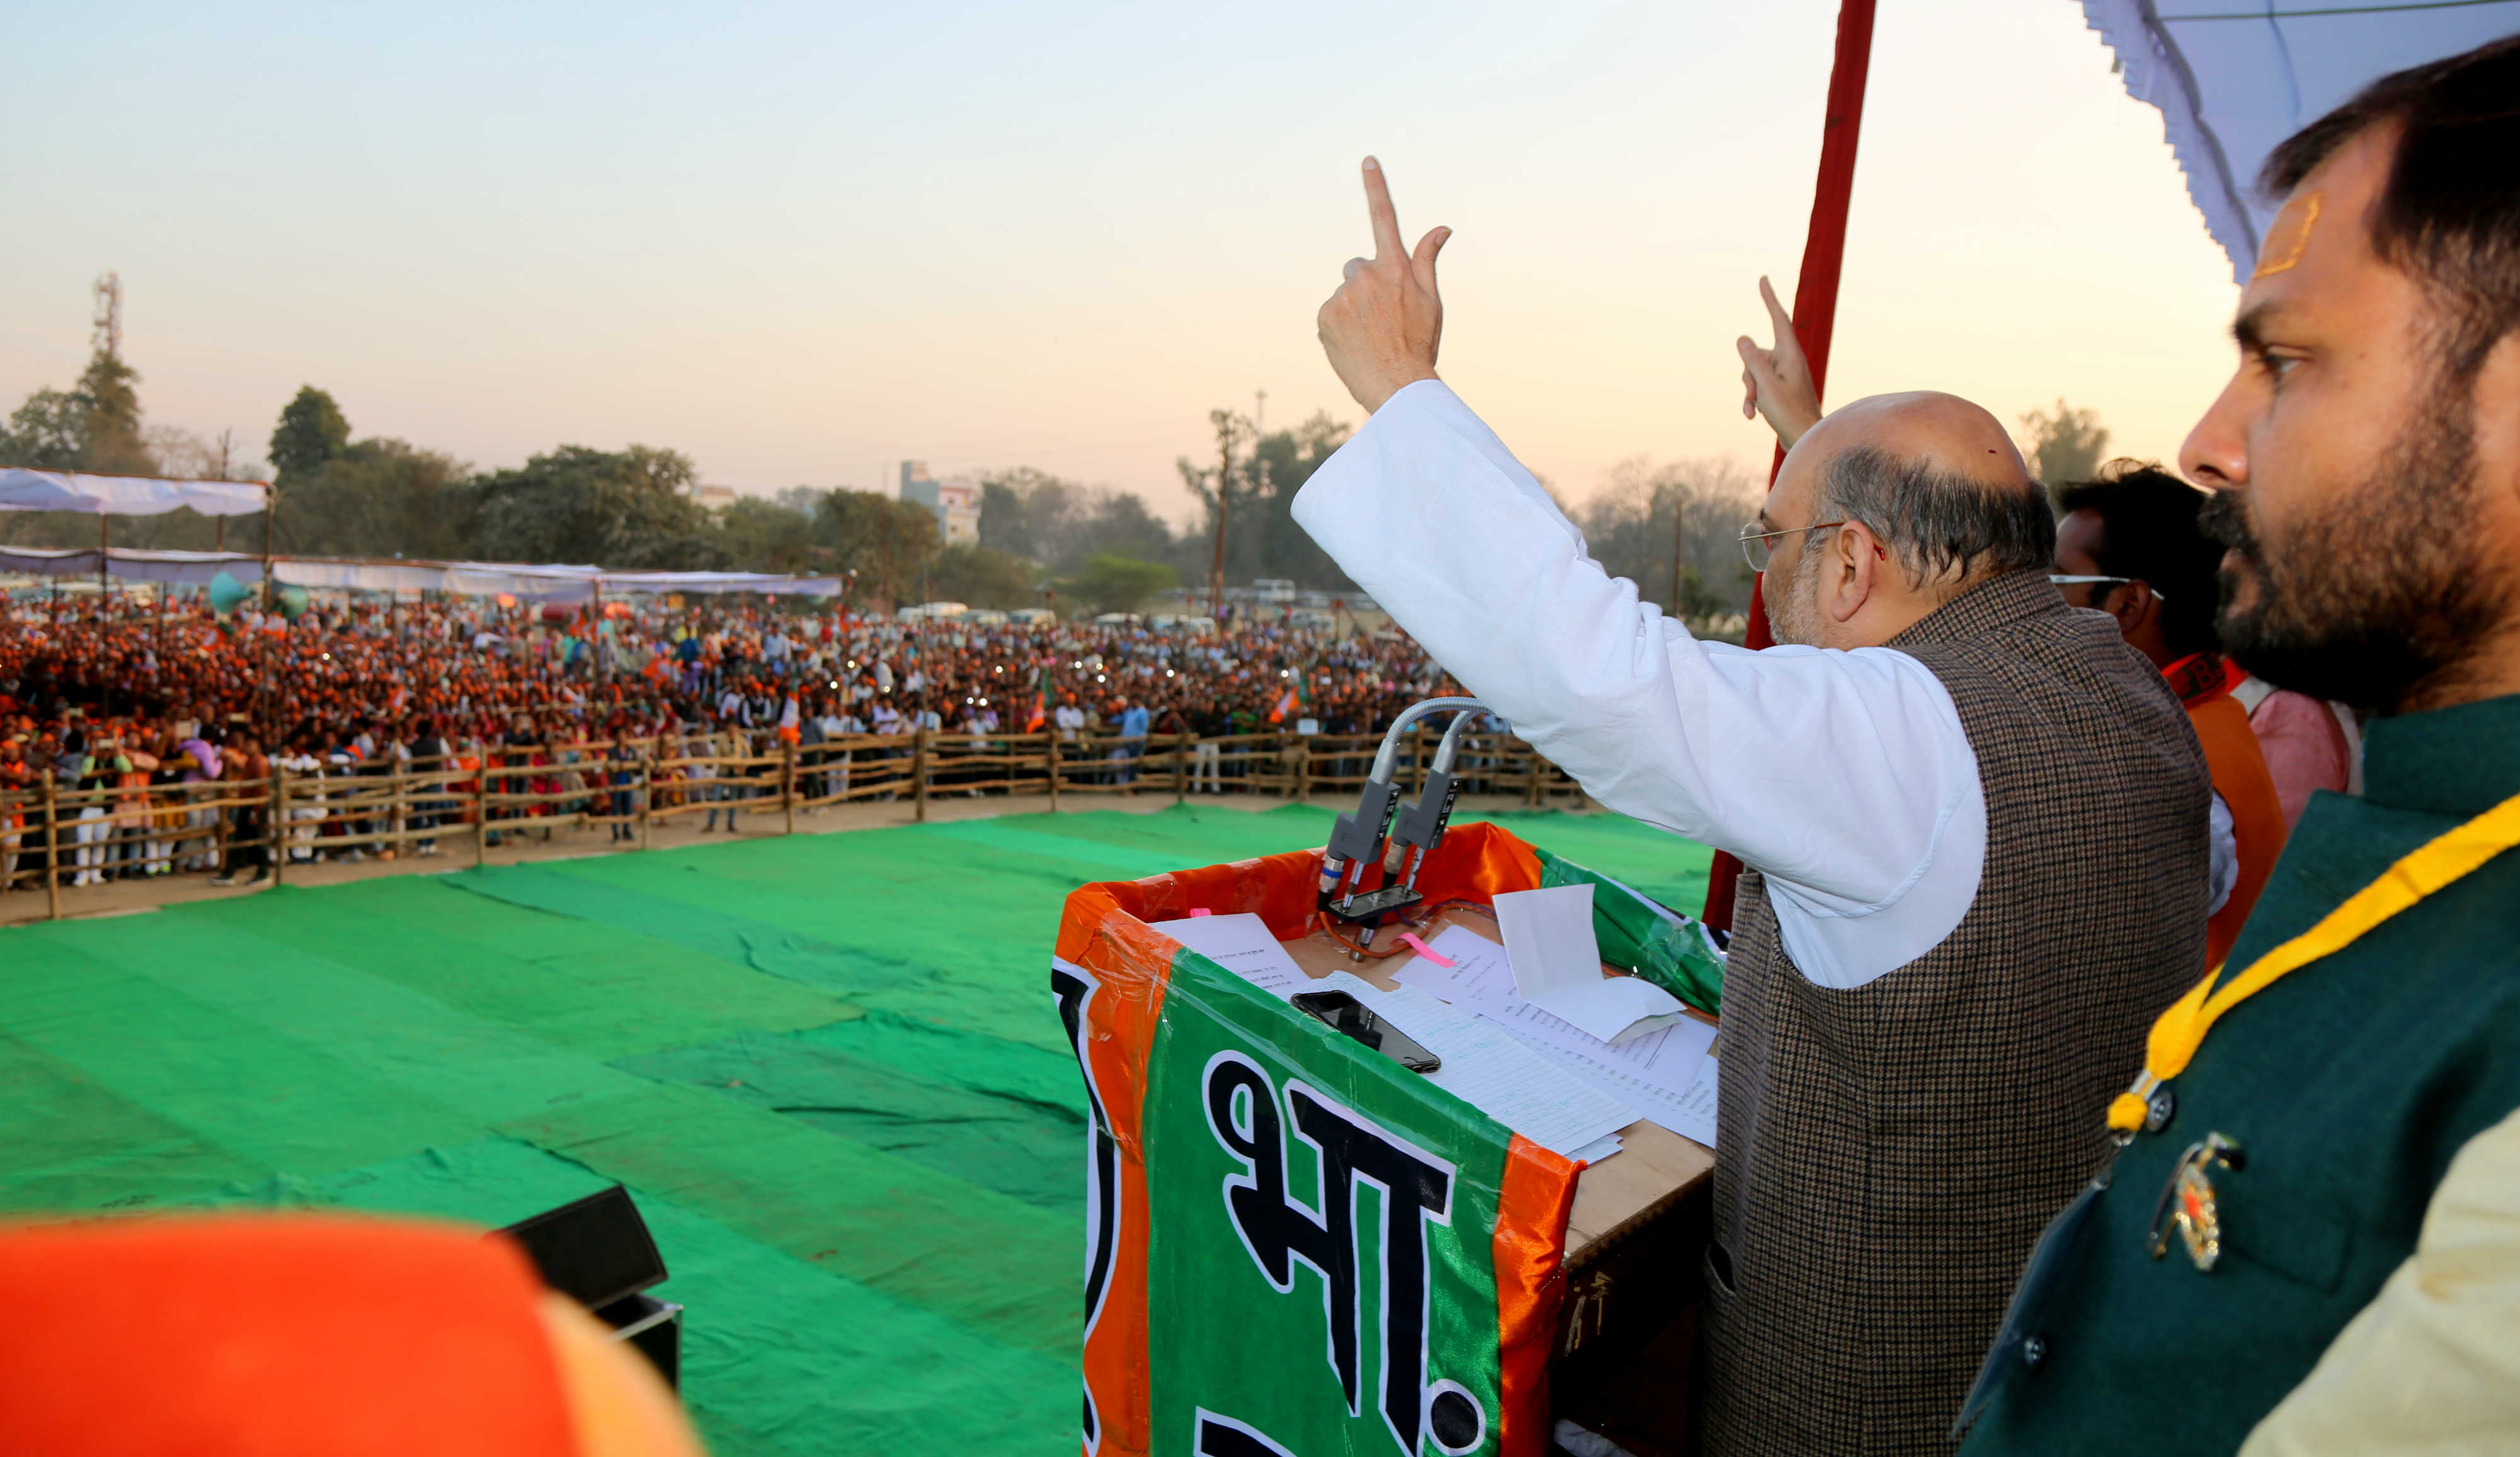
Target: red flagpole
{"x": 1815, "y": 306}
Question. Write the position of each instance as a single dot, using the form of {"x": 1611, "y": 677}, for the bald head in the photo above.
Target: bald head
{"x": 1931, "y": 496}
{"x": 1942, "y": 431}
{"x": 1935, "y": 477}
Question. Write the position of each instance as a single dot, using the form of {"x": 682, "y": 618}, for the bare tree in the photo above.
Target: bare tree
{"x": 1217, "y": 490}
{"x": 1673, "y": 528}
{"x": 193, "y": 456}
{"x": 2064, "y": 443}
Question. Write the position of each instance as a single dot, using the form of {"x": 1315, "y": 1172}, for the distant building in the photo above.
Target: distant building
{"x": 956, "y": 503}
{"x": 713, "y": 497}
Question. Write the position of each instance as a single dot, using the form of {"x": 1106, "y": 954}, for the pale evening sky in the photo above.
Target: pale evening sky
{"x": 800, "y": 243}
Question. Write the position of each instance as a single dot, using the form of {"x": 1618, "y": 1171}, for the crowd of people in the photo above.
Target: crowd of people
{"x": 2119, "y": 1005}
{"x": 2120, "y": 1036}
{"x": 469, "y": 666}
{"x": 146, "y": 712}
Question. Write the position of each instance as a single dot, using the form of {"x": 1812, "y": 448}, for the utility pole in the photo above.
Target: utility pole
{"x": 1223, "y": 419}
{"x": 1259, "y": 475}
{"x": 227, "y": 440}
{"x": 1678, "y": 518}
{"x": 1259, "y": 413}
{"x": 270, "y": 508}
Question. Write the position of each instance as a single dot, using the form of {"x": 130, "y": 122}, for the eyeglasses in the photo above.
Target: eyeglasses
{"x": 2069, "y": 579}
{"x": 1755, "y": 547}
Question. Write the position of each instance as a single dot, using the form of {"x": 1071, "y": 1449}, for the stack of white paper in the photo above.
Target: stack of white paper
{"x": 1496, "y": 1072}
{"x": 1688, "y": 1112}
{"x": 1557, "y": 962}
{"x": 1540, "y": 1091}
{"x": 1243, "y": 945}
{"x": 1665, "y": 1076}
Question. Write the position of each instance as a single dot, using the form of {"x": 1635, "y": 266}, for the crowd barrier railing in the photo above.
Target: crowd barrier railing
{"x": 60, "y": 841}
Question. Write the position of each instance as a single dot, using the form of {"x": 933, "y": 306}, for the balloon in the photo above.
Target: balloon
{"x": 225, "y": 593}
{"x": 292, "y": 603}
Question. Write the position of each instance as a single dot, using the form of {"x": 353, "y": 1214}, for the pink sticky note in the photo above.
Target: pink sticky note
{"x": 1200, "y": 910}
{"x": 1410, "y": 940}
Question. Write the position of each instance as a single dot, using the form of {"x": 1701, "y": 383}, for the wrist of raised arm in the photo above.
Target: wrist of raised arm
{"x": 1391, "y": 384}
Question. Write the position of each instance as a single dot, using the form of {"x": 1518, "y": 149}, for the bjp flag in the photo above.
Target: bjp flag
{"x": 1294, "y": 1245}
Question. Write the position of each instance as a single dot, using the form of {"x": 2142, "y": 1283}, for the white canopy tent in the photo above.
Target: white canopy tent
{"x": 192, "y": 568}
{"x": 360, "y": 575}
{"x": 2233, "y": 79}
{"x": 563, "y": 585}
{"x": 23, "y": 490}
{"x": 108, "y": 496}
{"x": 712, "y": 584}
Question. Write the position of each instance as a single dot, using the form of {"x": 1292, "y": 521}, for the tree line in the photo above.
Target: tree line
{"x": 1668, "y": 527}
{"x": 1043, "y": 539}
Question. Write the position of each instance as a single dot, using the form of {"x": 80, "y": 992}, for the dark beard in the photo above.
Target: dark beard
{"x": 2380, "y": 598}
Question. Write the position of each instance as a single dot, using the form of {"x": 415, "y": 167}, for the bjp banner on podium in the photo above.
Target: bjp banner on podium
{"x": 1294, "y": 1245}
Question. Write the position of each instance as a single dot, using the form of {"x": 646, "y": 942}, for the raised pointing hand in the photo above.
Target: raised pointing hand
{"x": 1382, "y": 327}
{"x": 1777, "y": 382}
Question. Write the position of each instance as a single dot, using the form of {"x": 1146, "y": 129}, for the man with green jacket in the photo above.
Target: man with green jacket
{"x": 2307, "y": 1234}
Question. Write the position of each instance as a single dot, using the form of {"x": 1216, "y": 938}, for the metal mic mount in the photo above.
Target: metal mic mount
{"x": 1357, "y": 840}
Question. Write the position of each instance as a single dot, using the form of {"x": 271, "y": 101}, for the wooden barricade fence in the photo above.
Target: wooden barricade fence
{"x": 63, "y": 840}
{"x": 68, "y": 838}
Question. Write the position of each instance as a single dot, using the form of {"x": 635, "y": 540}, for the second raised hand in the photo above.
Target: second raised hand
{"x": 1777, "y": 382}
{"x": 1383, "y": 326}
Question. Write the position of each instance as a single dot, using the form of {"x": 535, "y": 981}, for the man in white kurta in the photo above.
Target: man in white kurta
{"x": 1769, "y": 754}
{"x": 1913, "y": 995}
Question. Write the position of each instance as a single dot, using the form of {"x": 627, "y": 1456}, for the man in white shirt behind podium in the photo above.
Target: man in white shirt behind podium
{"x": 1974, "y": 823}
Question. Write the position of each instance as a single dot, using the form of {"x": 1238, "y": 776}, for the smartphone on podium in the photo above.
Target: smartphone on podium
{"x": 1344, "y": 1013}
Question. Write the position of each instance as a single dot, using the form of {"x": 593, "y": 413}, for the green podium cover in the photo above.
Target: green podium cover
{"x": 1294, "y": 1245}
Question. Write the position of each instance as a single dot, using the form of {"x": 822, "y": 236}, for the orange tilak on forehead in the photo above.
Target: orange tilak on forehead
{"x": 2289, "y": 238}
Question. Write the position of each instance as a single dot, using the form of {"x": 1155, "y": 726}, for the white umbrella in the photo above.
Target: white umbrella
{"x": 2233, "y": 79}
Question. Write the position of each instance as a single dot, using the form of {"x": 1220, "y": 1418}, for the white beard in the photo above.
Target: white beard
{"x": 1793, "y": 613}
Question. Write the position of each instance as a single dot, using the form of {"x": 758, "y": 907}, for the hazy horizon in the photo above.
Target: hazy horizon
{"x": 801, "y": 247}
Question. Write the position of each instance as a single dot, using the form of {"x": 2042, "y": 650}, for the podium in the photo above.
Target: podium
{"x": 1296, "y": 1247}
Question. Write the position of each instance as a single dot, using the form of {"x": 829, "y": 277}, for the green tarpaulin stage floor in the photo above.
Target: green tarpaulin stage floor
{"x": 827, "y": 1065}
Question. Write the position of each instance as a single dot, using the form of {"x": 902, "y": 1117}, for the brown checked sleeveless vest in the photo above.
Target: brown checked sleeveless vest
{"x": 1888, "y": 1154}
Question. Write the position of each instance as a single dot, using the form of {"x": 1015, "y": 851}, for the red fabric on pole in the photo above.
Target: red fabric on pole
{"x": 1815, "y": 306}
{"x": 1824, "y": 245}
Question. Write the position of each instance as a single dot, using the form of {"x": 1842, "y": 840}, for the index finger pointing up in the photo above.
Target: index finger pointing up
{"x": 1777, "y": 315}
{"x": 1377, "y": 206}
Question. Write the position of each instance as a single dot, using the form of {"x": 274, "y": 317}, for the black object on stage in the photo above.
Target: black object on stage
{"x": 597, "y": 1252}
